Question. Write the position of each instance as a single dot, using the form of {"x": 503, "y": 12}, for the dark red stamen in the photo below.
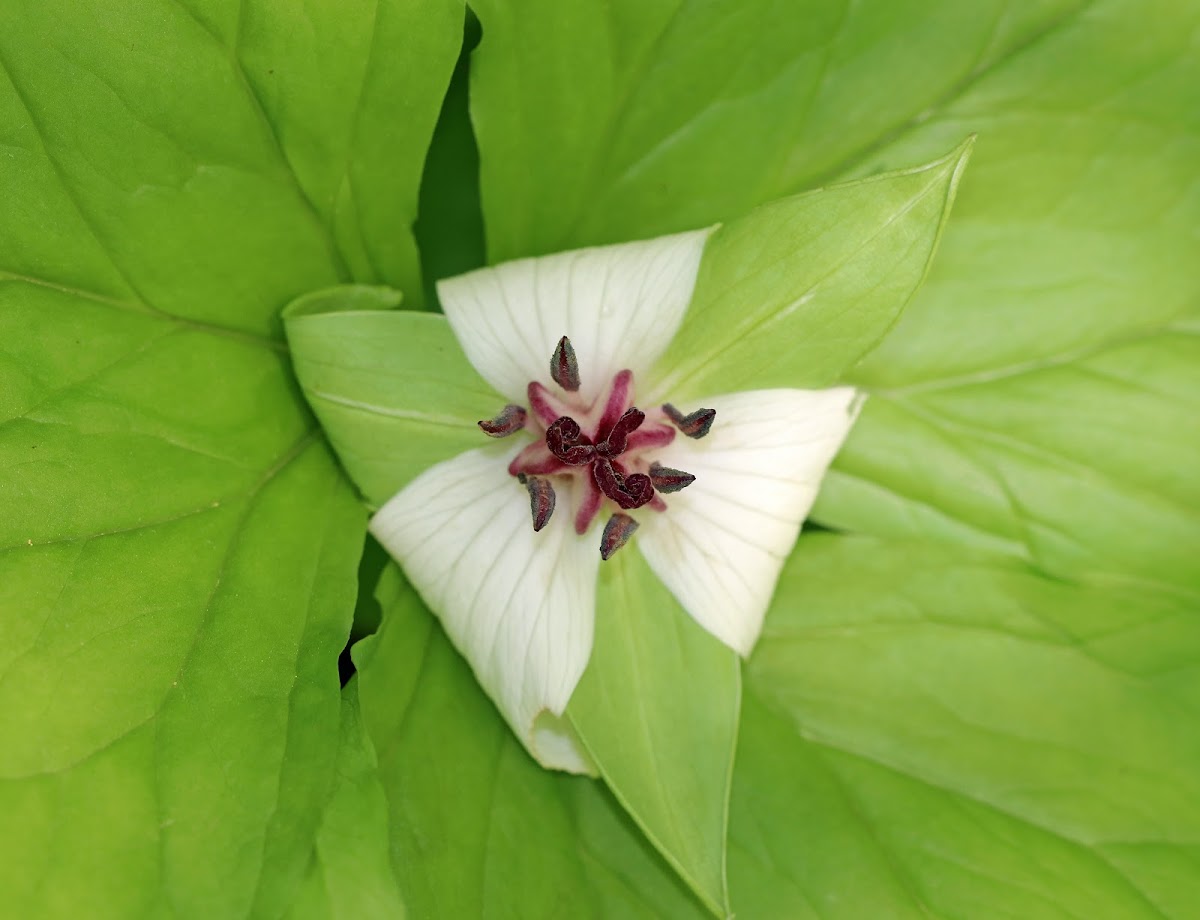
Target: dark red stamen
{"x": 694, "y": 424}
{"x": 564, "y": 368}
{"x": 568, "y": 443}
{"x": 665, "y": 479}
{"x": 617, "y": 531}
{"x": 628, "y": 492}
{"x": 510, "y": 420}
{"x": 541, "y": 500}
{"x": 615, "y": 443}
{"x": 600, "y": 440}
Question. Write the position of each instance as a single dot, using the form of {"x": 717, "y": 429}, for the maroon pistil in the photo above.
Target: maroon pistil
{"x": 628, "y": 492}
{"x": 564, "y": 368}
{"x": 510, "y": 420}
{"x": 604, "y": 441}
{"x": 567, "y": 442}
{"x": 694, "y": 424}
{"x": 618, "y": 438}
{"x": 617, "y": 531}
{"x": 667, "y": 480}
{"x": 541, "y": 499}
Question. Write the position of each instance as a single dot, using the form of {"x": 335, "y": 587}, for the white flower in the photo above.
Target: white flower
{"x": 504, "y": 542}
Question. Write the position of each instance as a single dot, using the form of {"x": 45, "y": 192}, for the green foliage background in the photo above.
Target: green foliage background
{"x": 977, "y": 691}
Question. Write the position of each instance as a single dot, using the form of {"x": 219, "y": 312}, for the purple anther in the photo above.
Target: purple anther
{"x": 617, "y": 531}
{"x": 567, "y": 442}
{"x": 564, "y": 368}
{"x": 628, "y": 492}
{"x": 510, "y": 420}
{"x": 694, "y": 424}
{"x": 614, "y": 445}
{"x": 665, "y": 479}
{"x": 541, "y": 499}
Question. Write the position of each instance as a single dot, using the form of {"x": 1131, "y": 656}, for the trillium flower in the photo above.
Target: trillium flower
{"x": 586, "y": 454}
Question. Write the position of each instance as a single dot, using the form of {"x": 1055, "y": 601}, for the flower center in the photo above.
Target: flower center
{"x": 604, "y": 447}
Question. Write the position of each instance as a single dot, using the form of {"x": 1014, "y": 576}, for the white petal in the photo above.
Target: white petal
{"x": 619, "y": 305}
{"x": 519, "y": 605}
{"x": 722, "y": 541}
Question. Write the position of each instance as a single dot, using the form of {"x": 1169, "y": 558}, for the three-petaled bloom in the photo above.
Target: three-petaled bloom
{"x": 504, "y": 542}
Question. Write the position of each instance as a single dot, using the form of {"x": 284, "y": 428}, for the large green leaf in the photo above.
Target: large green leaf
{"x": 600, "y": 122}
{"x": 1079, "y": 220}
{"x": 167, "y": 672}
{"x": 1034, "y": 402}
{"x": 478, "y": 828}
{"x": 609, "y": 121}
{"x": 657, "y": 709}
{"x": 1085, "y": 468}
{"x": 972, "y": 738}
{"x": 177, "y": 549}
{"x": 797, "y": 291}
{"x": 351, "y": 89}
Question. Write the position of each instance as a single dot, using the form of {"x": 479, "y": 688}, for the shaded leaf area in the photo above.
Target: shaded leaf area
{"x": 178, "y": 548}
{"x": 658, "y": 711}
{"x": 958, "y": 736}
{"x": 478, "y": 828}
{"x": 350, "y": 875}
{"x": 602, "y": 122}
{"x": 449, "y": 227}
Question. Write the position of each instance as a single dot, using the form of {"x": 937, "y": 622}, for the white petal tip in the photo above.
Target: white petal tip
{"x": 554, "y": 743}
{"x": 722, "y": 544}
{"x": 518, "y": 605}
{"x": 509, "y": 317}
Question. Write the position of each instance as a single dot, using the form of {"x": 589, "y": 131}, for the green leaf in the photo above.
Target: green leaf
{"x": 601, "y": 122}
{"x": 973, "y": 738}
{"x": 1084, "y": 468}
{"x": 796, "y": 292}
{"x": 478, "y": 828}
{"x": 1077, "y": 225}
{"x": 141, "y": 168}
{"x": 351, "y": 871}
{"x": 657, "y": 709}
{"x": 178, "y": 549}
{"x": 392, "y": 388}
{"x": 331, "y": 87}
{"x": 167, "y": 679}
